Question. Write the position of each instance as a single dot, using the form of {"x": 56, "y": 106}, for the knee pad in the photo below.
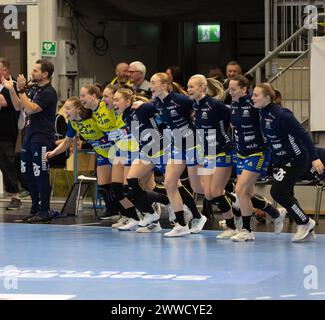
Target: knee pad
{"x": 117, "y": 191}
{"x": 259, "y": 202}
{"x": 223, "y": 203}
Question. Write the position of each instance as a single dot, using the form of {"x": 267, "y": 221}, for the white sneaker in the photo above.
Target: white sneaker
{"x": 120, "y": 222}
{"x": 227, "y": 234}
{"x": 198, "y": 224}
{"x": 243, "y": 235}
{"x": 153, "y": 227}
{"x": 187, "y": 213}
{"x": 303, "y": 230}
{"x": 278, "y": 222}
{"x": 311, "y": 236}
{"x": 238, "y": 222}
{"x": 148, "y": 219}
{"x": 178, "y": 231}
{"x": 131, "y": 225}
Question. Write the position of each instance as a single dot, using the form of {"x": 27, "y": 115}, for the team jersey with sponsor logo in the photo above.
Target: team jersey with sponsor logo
{"x": 285, "y": 135}
{"x": 213, "y": 118}
{"x": 248, "y": 136}
{"x": 89, "y": 130}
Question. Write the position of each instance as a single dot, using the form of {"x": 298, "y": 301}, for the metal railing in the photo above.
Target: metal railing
{"x": 283, "y": 18}
{"x": 293, "y": 81}
{"x": 289, "y": 71}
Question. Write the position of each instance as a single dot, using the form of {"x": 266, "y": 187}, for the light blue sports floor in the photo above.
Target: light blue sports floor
{"x": 78, "y": 262}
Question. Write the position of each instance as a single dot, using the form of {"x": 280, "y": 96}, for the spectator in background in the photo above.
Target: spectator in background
{"x": 137, "y": 73}
{"x": 122, "y": 75}
{"x": 175, "y": 74}
{"x": 8, "y": 138}
{"x": 233, "y": 69}
{"x": 216, "y": 73}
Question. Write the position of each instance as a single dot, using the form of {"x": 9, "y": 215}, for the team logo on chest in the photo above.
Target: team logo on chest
{"x": 173, "y": 113}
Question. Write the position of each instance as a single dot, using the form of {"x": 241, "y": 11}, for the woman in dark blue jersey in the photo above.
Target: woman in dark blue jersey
{"x": 212, "y": 122}
{"x": 144, "y": 125}
{"x": 175, "y": 110}
{"x": 292, "y": 151}
{"x": 252, "y": 158}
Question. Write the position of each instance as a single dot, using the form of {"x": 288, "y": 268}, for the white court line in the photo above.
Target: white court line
{"x": 85, "y": 224}
{"x": 35, "y": 296}
{"x": 316, "y": 293}
{"x": 263, "y": 298}
{"x": 288, "y": 295}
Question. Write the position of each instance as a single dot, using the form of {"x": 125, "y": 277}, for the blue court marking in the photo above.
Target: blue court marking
{"x": 103, "y": 263}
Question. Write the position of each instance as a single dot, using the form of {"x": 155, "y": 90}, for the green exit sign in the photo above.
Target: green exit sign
{"x": 208, "y": 33}
{"x": 49, "y": 48}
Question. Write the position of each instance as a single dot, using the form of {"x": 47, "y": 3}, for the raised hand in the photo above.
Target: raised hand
{"x": 21, "y": 82}
{"x": 8, "y": 84}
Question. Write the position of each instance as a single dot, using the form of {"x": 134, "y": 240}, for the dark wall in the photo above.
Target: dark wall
{"x": 159, "y": 44}
{"x": 217, "y": 54}
{"x": 162, "y": 33}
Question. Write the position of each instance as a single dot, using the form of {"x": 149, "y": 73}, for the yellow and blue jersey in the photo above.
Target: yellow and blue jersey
{"x": 89, "y": 131}
{"x": 125, "y": 141}
{"x": 105, "y": 118}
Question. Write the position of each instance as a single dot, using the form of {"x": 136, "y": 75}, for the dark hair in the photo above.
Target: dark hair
{"x": 46, "y": 66}
{"x": 99, "y": 86}
{"x": 242, "y": 81}
{"x": 176, "y": 73}
{"x": 233, "y": 63}
{"x": 216, "y": 73}
{"x": 93, "y": 89}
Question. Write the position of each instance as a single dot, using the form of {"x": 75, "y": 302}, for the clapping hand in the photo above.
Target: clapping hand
{"x": 21, "y": 82}
{"x": 8, "y": 84}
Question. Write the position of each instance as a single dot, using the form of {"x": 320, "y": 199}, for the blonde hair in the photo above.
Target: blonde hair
{"x": 127, "y": 94}
{"x": 215, "y": 89}
{"x": 141, "y": 98}
{"x": 165, "y": 79}
{"x": 176, "y": 87}
{"x": 269, "y": 90}
{"x": 83, "y": 112}
{"x": 201, "y": 78}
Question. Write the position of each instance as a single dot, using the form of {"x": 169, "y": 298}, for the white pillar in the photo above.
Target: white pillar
{"x": 33, "y": 37}
{"x": 1, "y": 184}
{"x": 41, "y": 26}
